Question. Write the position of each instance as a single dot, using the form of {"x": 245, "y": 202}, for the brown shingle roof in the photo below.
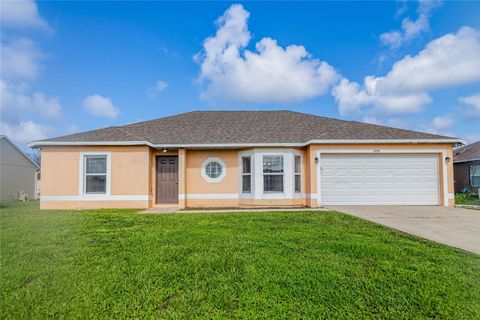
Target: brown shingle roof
{"x": 466, "y": 153}
{"x": 234, "y": 127}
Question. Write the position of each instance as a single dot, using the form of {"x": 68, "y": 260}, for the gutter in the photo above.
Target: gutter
{"x": 241, "y": 145}
{"x": 463, "y": 161}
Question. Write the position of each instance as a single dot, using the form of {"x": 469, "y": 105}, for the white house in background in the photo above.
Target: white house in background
{"x": 17, "y": 172}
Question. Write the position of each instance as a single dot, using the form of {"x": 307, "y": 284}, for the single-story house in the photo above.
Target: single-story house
{"x": 17, "y": 172}
{"x": 246, "y": 159}
{"x": 466, "y": 167}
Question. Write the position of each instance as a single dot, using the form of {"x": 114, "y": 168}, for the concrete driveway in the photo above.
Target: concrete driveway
{"x": 455, "y": 227}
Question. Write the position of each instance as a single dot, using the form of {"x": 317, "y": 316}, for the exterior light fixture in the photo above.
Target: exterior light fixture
{"x": 316, "y": 160}
{"x": 447, "y": 159}
{"x": 164, "y": 150}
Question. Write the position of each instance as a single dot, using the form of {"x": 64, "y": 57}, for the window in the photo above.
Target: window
{"x": 298, "y": 174}
{"x": 273, "y": 173}
{"x": 213, "y": 170}
{"x": 246, "y": 174}
{"x": 95, "y": 180}
{"x": 475, "y": 175}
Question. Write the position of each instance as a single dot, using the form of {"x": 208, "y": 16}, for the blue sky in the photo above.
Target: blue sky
{"x": 69, "y": 67}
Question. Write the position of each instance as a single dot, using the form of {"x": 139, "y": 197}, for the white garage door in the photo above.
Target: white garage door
{"x": 376, "y": 179}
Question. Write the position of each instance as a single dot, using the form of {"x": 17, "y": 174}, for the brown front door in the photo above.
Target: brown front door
{"x": 167, "y": 179}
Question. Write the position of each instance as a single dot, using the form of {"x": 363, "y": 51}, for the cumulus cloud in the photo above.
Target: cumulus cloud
{"x": 473, "y": 104}
{"x": 20, "y": 59}
{"x": 159, "y": 86}
{"x": 25, "y": 132}
{"x": 21, "y": 14}
{"x": 98, "y": 105}
{"x": 448, "y": 61}
{"x": 441, "y": 125}
{"x": 16, "y": 101}
{"x": 269, "y": 74}
{"x": 411, "y": 29}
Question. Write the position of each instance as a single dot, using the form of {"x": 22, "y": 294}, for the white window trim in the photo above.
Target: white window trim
{"x": 250, "y": 174}
{"x": 220, "y": 177}
{"x": 298, "y": 154}
{"x": 442, "y": 152}
{"x": 257, "y": 174}
{"x": 273, "y": 173}
{"x": 81, "y": 179}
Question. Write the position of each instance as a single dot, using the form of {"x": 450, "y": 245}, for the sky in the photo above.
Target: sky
{"x": 68, "y": 67}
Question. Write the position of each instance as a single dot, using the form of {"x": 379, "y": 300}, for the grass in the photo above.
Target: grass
{"x": 467, "y": 198}
{"x": 107, "y": 264}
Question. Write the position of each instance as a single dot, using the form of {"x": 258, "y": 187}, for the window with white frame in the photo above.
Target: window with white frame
{"x": 297, "y": 171}
{"x": 95, "y": 174}
{"x": 475, "y": 175}
{"x": 246, "y": 174}
{"x": 273, "y": 173}
{"x": 213, "y": 170}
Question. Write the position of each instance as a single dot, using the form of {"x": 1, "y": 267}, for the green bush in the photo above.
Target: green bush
{"x": 467, "y": 198}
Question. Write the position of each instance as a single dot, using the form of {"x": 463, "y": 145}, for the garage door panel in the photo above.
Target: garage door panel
{"x": 379, "y": 179}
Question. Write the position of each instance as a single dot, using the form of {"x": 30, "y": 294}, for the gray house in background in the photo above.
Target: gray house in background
{"x": 466, "y": 167}
{"x": 17, "y": 172}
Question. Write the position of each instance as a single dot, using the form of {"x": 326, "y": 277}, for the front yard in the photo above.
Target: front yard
{"x": 118, "y": 264}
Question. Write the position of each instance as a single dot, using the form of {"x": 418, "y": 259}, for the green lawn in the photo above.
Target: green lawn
{"x": 118, "y": 264}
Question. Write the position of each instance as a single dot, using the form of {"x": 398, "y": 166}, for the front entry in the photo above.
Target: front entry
{"x": 167, "y": 179}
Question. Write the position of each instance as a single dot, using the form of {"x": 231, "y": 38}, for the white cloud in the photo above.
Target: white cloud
{"x": 49, "y": 107}
{"x": 448, "y": 61}
{"x": 159, "y": 86}
{"x": 473, "y": 104}
{"x": 441, "y": 125}
{"x": 411, "y": 29}
{"x": 16, "y": 101}
{"x": 443, "y": 122}
{"x": 25, "y": 132}
{"x": 21, "y": 14}
{"x": 20, "y": 59}
{"x": 269, "y": 74}
{"x": 100, "y": 106}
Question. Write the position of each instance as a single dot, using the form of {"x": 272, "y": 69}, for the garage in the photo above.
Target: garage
{"x": 379, "y": 179}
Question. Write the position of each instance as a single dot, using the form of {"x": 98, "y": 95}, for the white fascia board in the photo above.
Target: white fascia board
{"x": 463, "y": 161}
{"x": 88, "y": 143}
{"x": 240, "y": 145}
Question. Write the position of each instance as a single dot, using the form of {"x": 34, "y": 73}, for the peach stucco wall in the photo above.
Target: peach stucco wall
{"x": 196, "y": 184}
{"x": 133, "y": 173}
{"x": 60, "y": 171}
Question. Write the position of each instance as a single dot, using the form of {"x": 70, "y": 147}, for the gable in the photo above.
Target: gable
{"x": 11, "y": 155}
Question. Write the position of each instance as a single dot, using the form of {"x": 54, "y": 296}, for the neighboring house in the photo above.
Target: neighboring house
{"x": 466, "y": 167}
{"x": 17, "y": 172}
{"x": 246, "y": 159}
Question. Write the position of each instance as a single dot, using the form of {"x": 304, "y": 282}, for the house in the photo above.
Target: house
{"x": 17, "y": 172}
{"x": 246, "y": 159}
{"x": 466, "y": 167}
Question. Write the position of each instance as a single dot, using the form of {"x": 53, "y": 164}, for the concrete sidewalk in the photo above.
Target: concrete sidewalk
{"x": 455, "y": 227}
{"x": 168, "y": 210}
